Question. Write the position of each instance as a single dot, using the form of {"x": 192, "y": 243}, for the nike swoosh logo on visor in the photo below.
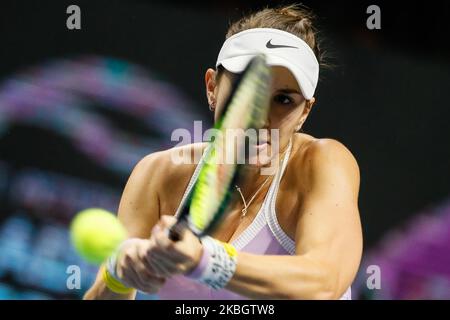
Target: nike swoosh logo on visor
{"x": 274, "y": 46}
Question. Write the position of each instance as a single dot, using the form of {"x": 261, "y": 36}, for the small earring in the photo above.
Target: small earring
{"x": 212, "y": 107}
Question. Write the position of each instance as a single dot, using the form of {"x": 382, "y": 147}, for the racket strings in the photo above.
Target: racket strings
{"x": 248, "y": 108}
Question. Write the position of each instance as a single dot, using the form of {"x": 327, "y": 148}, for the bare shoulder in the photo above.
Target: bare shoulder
{"x": 170, "y": 171}
{"x": 326, "y": 149}
{"x": 168, "y": 166}
{"x": 155, "y": 187}
{"x": 324, "y": 157}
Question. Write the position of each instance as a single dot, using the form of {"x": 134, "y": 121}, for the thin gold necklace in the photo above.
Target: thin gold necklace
{"x": 246, "y": 205}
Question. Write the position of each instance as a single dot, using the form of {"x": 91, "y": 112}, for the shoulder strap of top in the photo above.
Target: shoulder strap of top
{"x": 280, "y": 171}
{"x": 271, "y": 216}
{"x": 261, "y": 220}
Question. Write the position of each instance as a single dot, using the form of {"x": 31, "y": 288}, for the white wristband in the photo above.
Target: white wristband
{"x": 221, "y": 264}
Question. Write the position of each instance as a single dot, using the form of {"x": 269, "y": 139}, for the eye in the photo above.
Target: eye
{"x": 283, "y": 99}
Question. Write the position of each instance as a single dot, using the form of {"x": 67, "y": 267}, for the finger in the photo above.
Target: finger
{"x": 136, "y": 265}
{"x": 154, "y": 286}
{"x": 156, "y": 228}
{"x": 172, "y": 256}
{"x": 131, "y": 279}
{"x": 154, "y": 262}
{"x": 150, "y": 262}
{"x": 167, "y": 221}
{"x": 125, "y": 269}
{"x": 179, "y": 253}
{"x": 151, "y": 266}
{"x": 162, "y": 240}
{"x": 143, "y": 280}
{"x": 170, "y": 264}
{"x": 143, "y": 256}
{"x": 158, "y": 265}
{"x": 143, "y": 273}
{"x": 183, "y": 249}
{"x": 148, "y": 275}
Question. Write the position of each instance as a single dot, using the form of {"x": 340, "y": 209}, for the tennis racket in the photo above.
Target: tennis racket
{"x": 247, "y": 107}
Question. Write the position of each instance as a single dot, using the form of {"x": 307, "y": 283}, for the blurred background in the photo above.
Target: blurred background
{"x": 79, "y": 108}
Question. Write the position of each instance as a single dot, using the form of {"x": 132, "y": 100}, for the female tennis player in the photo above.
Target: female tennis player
{"x": 295, "y": 234}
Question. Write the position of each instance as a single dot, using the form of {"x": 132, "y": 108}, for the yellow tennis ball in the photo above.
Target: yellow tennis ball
{"x": 95, "y": 234}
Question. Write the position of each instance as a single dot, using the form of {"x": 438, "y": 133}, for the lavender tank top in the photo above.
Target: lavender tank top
{"x": 264, "y": 236}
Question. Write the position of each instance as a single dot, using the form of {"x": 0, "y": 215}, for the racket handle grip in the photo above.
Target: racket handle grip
{"x": 176, "y": 230}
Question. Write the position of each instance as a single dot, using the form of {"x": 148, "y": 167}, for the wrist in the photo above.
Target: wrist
{"x": 109, "y": 272}
{"x": 217, "y": 264}
{"x": 197, "y": 259}
{"x": 197, "y": 270}
{"x": 112, "y": 283}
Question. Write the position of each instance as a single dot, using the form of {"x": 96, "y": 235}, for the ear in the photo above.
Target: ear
{"x": 210, "y": 86}
{"x": 308, "y": 105}
{"x": 306, "y": 110}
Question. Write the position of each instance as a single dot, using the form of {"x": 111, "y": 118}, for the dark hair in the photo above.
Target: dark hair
{"x": 295, "y": 19}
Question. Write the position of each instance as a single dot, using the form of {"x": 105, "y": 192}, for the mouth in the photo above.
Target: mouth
{"x": 262, "y": 141}
{"x": 261, "y": 144}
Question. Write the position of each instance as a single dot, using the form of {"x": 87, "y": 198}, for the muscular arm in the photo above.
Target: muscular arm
{"x": 138, "y": 212}
{"x": 328, "y": 235}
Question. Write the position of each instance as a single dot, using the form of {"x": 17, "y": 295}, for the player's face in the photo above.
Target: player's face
{"x": 288, "y": 110}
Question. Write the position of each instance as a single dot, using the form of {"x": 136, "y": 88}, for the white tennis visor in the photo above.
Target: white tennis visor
{"x": 281, "y": 49}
